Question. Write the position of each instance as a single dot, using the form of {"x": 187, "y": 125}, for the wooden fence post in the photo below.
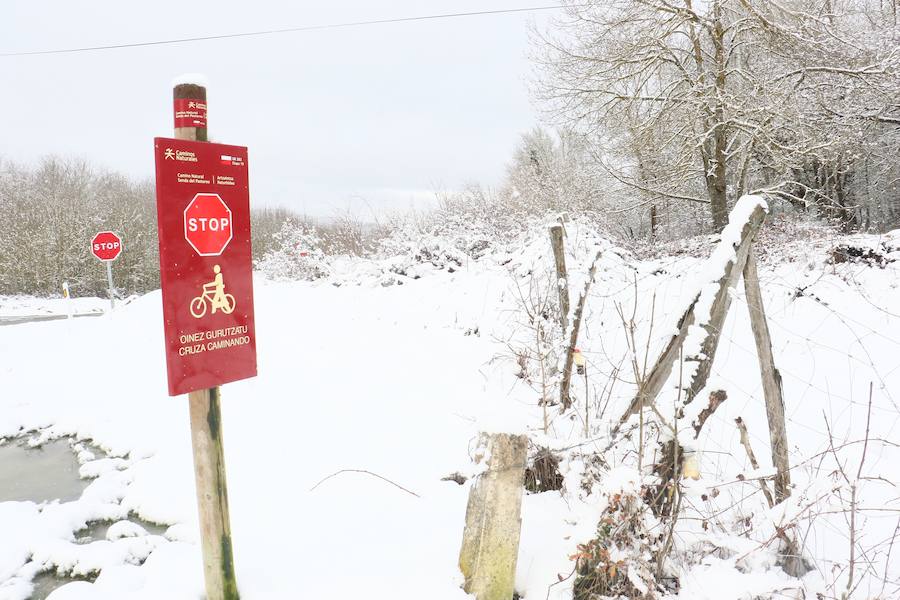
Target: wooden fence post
{"x": 490, "y": 545}
{"x": 562, "y": 278}
{"x": 721, "y": 303}
{"x": 771, "y": 380}
{"x": 207, "y": 440}
{"x": 661, "y": 370}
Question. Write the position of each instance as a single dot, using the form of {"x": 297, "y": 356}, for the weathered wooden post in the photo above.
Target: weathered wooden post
{"x": 490, "y": 545}
{"x": 771, "y": 380}
{"x": 205, "y": 411}
{"x": 562, "y": 282}
{"x": 718, "y": 308}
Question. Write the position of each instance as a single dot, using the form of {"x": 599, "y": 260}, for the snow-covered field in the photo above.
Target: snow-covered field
{"x": 398, "y": 380}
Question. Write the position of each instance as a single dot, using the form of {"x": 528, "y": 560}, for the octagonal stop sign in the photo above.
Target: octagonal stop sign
{"x": 106, "y": 246}
{"x": 208, "y": 224}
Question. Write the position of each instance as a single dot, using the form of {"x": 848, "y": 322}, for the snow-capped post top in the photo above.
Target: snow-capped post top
{"x": 191, "y": 79}
{"x": 189, "y": 108}
{"x": 731, "y": 236}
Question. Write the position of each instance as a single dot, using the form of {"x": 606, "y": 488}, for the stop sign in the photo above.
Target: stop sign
{"x": 207, "y": 224}
{"x": 106, "y": 245}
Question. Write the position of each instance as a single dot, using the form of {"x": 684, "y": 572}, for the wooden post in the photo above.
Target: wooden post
{"x": 562, "y": 281}
{"x": 564, "y": 399}
{"x": 490, "y": 545}
{"x": 771, "y": 380}
{"x": 207, "y": 441}
{"x": 661, "y": 370}
{"x": 190, "y": 91}
{"x": 721, "y": 303}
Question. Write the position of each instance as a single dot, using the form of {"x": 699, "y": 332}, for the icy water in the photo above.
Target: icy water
{"x": 45, "y": 583}
{"x": 46, "y": 473}
{"x": 97, "y": 530}
{"x": 49, "y": 472}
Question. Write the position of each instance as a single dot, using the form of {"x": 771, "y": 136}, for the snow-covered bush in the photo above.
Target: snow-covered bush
{"x": 295, "y": 255}
{"x": 619, "y": 562}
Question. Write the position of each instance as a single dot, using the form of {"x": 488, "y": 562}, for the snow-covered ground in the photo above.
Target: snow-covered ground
{"x": 398, "y": 379}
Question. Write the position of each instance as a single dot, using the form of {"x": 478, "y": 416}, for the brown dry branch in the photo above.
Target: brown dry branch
{"x": 543, "y": 475}
{"x": 564, "y": 398}
{"x": 336, "y": 473}
{"x": 854, "y": 484}
{"x": 638, "y": 367}
{"x": 716, "y": 398}
{"x": 745, "y": 442}
{"x": 536, "y": 306}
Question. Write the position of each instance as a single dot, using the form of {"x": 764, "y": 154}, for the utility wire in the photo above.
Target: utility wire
{"x": 277, "y": 31}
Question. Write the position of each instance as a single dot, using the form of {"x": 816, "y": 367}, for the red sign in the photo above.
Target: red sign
{"x": 207, "y": 224}
{"x": 190, "y": 113}
{"x": 203, "y": 214}
{"x": 106, "y": 246}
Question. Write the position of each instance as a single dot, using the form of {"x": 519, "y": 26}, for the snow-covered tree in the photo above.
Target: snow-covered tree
{"x": 296, "y": 253}
{"x": 694, "y": 102}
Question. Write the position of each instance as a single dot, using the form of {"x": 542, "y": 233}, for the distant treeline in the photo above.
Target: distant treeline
{"x": 49, "y": 213}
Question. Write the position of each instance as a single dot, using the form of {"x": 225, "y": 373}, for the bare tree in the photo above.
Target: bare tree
{"x": 699, "y": 102}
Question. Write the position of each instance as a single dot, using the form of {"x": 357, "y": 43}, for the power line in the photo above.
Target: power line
{"x": 278, "y": 31}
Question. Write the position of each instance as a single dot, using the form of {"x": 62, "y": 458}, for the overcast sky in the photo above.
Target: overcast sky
{"x": 378, "y": 116}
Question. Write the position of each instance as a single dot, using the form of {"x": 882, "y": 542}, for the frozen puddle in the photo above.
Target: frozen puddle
{"x": 48, "y": 581}
{"x": 43, "y": 483}
{"x": 40, "y": 474}
{"x": 98, "y": 529}
{"x": 45, "y": 583}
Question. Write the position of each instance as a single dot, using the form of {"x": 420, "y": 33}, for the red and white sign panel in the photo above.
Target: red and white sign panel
{"x": 203, "y": 215}
{"x": 106, "y": 246}
{"x": 190, "y": 113}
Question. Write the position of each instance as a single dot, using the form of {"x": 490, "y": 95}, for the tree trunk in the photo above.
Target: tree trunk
{"x": 717, "y": 179}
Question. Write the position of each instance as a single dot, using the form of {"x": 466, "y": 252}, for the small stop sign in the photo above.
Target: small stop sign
{"x": 106, "y": 246}
{"x": 208, "y": 224}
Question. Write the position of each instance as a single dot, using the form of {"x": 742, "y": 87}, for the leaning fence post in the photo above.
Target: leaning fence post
{"x": 712, "y": 321}
{"x": 771, "y": 380}
{"x": 490, "y": 545}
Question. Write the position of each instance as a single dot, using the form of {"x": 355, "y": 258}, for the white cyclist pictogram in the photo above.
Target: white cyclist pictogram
{"x": 214, "y": 294}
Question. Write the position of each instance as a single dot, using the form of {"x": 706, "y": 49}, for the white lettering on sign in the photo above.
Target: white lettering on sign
{"x": 213, "y": 339}
{"x": 106, "y": 245}
{"x": 206, "y": 224}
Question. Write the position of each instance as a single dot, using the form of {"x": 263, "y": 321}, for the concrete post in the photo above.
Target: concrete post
{"x": 490, "y": 546}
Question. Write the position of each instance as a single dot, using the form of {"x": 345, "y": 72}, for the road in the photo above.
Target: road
{"x": 21, "y": 319}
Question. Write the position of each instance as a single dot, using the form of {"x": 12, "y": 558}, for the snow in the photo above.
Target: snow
{"x": 191, "y": 78}
{"x": 392, "y": 379}
{"x": 393, "y": 389}
{"x": 27, "y": 306}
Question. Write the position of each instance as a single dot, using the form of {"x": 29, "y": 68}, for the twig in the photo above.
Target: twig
{"x": 887, "y": 561}
{"x": 862, "y": 460}
{"x": 745, "y": 442}
{"x": 336, "y": 473}
{"x": 716, "y": 398}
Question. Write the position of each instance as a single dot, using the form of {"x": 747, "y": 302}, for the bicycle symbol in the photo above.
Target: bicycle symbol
{"x": 213, "y": 294}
